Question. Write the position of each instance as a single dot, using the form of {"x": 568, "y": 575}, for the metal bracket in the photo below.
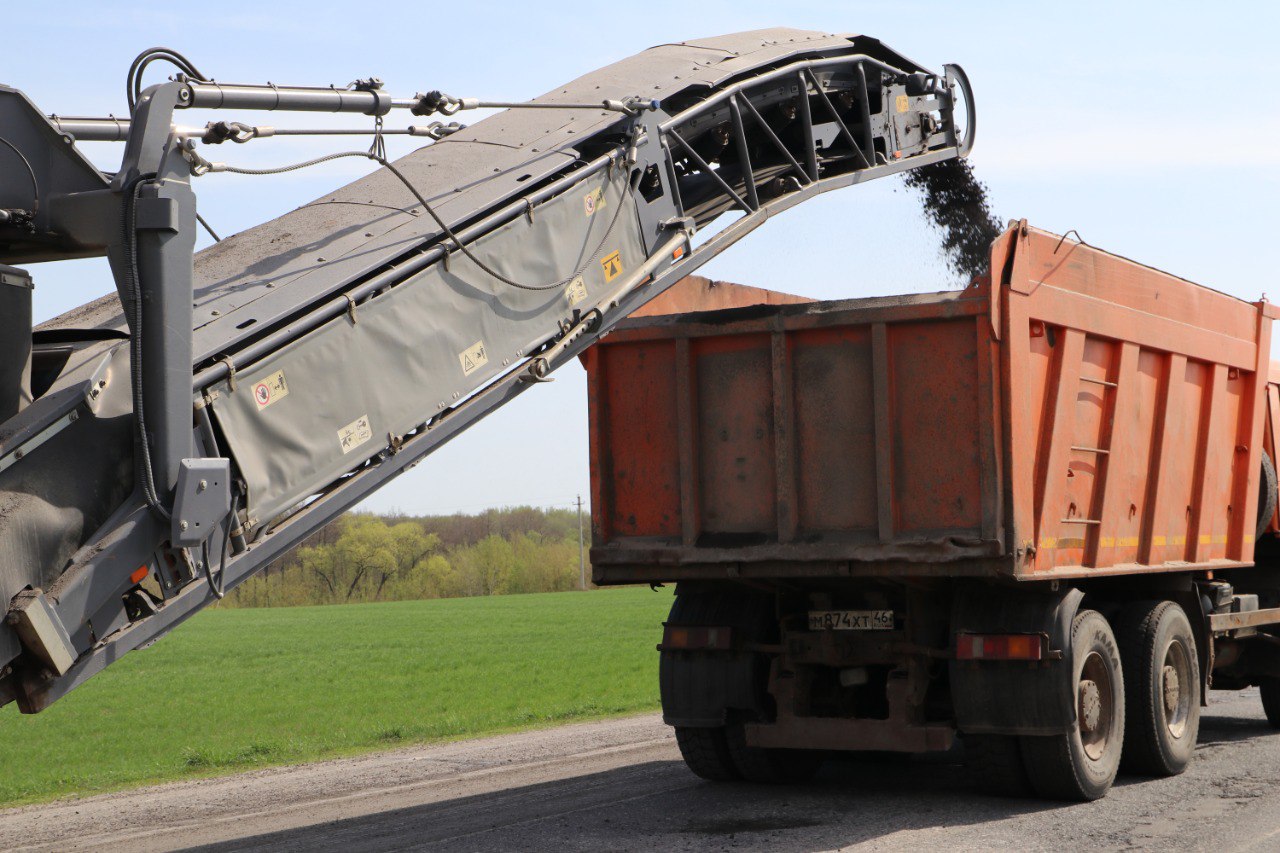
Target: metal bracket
{"x": 40, "y": 438}
{"x": 231, "y": 373}
{"x": 201, "y": 500}
{"x": 41, "y": 631}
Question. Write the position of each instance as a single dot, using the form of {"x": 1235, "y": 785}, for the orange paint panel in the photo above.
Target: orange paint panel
{"x": 835, "y": 429}
{"x": 937, "y": 427}
{"x": 641, "y": 470}
{"x": 1217, "y": 503}
{"x": 735, "y": 436}
{"x": 1183, "y": 476}
{"x": 1124, "y": 505}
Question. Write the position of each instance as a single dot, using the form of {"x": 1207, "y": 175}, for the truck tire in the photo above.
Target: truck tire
{"x": 995, "y": 767}
{"x": 1267, "y": 495}
{"x": 1082, "y": 763}
{"x": 1162, "y": 688}
{"x": 706, "y": 753}
{"x": 769, "y": 766}
{"x": 1270, "y": 689}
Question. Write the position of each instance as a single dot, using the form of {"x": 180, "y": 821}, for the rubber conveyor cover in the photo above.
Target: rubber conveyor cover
{"x": 311, "y": 411}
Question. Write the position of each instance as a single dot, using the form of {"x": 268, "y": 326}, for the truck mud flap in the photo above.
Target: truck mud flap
{"x": 698, "y": 689}
{"x": 1009, "y": 697}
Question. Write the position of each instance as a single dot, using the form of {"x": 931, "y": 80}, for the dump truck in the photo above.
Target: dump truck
{"x": 162, "y": 444}
{"x": 1037, "y": 515}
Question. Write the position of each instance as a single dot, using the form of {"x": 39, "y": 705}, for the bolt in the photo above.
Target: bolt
{"x": 183, "y": 525}
{"x": 1090, "y": 705}
{"x": 202, "y": 485}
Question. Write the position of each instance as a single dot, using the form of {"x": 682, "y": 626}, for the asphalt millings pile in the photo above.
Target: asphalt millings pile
{"x": 957, "y": 205}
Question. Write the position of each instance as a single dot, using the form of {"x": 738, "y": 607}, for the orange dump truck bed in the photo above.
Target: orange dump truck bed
{"x": 1082, "y": 415}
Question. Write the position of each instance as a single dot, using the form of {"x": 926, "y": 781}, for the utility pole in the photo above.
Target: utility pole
{"x": 582, "y": 562}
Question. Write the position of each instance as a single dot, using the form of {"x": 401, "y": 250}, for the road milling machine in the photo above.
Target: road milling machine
{"x": 162, "y": 444}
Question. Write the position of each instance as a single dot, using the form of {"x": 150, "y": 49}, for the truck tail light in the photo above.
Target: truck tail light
{"x": 689, "y": 637}
{"x": 1000, "y": 647}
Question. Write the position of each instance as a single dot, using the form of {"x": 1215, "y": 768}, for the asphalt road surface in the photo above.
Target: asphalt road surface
{"x": 619, "y": 785}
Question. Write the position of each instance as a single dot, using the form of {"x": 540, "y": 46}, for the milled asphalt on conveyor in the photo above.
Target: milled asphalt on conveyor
{"x": 619, "y": 785}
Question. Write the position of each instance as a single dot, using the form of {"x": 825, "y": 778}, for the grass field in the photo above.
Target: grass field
{"x": 234, "y": 689}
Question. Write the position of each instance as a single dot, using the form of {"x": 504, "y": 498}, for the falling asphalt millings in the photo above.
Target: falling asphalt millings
{"x": 956, "y": 203}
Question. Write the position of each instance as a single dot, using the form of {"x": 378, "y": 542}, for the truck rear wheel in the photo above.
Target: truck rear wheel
{"x": 1082, "y": 763}
{"x": 706, "y": 753}
{"x": 1162, "y": 688}
{"x": 1270, "y": 689}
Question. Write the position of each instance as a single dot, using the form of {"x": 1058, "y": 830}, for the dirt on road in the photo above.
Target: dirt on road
{"x": 620, "y": 785}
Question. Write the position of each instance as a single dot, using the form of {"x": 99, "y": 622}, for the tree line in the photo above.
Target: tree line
{"x": 363, "y": 557}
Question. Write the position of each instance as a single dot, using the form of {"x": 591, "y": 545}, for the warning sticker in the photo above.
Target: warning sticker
{"x": 593, "y": 201}
{"x": 270, "y": 390}
{"x": 473, "y": 358}
{"x": 576, "y": 291}
{"x": 612, "y": 266}
{"x": 904, "y": 103}
{"x": 355, "y": 434}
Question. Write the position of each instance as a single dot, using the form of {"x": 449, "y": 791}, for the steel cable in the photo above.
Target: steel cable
{"x": 133, "y": 82}
{"x": 35, "y": 184}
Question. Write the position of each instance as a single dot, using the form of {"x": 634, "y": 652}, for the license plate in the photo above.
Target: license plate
{"x": 850, "y": 620}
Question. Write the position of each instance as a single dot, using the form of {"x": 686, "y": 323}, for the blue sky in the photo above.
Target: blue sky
{"x": 1145, "y": 126}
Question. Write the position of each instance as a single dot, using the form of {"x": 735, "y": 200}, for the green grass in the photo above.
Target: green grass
{"x": 235, "y": 689}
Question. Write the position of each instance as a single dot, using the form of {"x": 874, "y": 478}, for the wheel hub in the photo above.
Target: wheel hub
{"x": 1172, "y": 689}
{"x": 1090, "y": 705}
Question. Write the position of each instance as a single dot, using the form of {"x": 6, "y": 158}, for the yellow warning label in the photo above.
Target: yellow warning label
{"x": 904, "y": 103}
{"x": 593, "y": 201}
{"x": 270, "y": 390}
{"x": 612, "y": 266}
{"x": 576, "y": 291}
{"x": 473, "y": 358}
{"x": 355, "y": 434}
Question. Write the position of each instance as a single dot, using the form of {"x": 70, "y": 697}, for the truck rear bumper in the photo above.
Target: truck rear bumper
{"x": 853, "y": 735}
